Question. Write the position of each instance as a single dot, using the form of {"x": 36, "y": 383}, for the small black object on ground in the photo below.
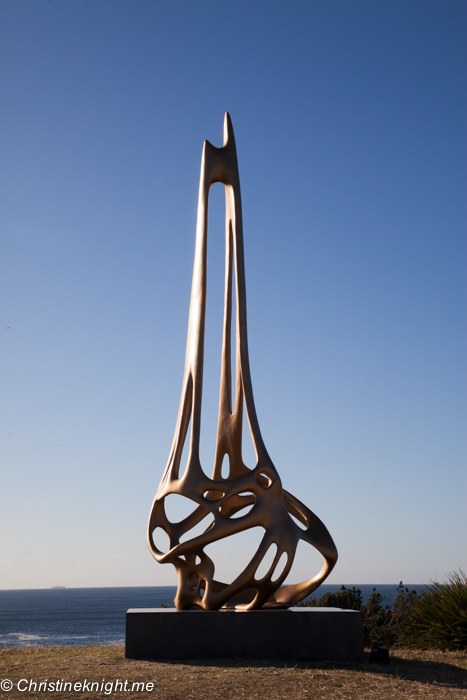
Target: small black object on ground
{"x": 379, "y": 656}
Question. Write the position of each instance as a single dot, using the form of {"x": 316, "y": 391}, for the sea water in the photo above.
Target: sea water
{"x": 81, "y": 616}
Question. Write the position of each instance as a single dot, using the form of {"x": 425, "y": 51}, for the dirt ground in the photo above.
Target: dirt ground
{"x": 411, "y": 674}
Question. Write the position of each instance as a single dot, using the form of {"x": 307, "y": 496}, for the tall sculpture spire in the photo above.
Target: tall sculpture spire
{"x": 218, "y": 499}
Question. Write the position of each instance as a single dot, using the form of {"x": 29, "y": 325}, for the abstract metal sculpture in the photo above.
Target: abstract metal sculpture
{"x": 219, "y": 500}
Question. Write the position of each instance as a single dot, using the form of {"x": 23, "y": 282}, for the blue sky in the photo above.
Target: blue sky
{"x": 350, "y": 128}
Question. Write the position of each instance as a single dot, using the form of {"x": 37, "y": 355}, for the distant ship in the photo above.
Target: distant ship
{"x": 58, "y": 586}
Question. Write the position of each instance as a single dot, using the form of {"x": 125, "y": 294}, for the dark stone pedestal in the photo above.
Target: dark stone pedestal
{"x": 308, "y": 634}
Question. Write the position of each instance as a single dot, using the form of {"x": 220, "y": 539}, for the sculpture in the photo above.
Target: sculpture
{"x": 260, "y": 488}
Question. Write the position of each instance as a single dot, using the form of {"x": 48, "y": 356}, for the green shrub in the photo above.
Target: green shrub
{"x": 376, "y": 621}
{"x": 346, "y": 598}
{"x": 402, "y": 611}
{"x": 439, "y": 618}
{"x": 384, "y": 626}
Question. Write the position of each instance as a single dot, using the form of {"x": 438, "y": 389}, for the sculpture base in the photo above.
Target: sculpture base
{"x": 308, "y": 634}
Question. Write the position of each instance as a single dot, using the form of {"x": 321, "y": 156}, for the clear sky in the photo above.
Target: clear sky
{"x": 350, "y": 126}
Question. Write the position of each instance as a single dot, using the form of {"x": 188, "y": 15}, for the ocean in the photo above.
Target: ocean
{"x": 81, "y": 616}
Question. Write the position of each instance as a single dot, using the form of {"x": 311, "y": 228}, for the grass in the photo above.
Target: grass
{"x": 411, "y": 674}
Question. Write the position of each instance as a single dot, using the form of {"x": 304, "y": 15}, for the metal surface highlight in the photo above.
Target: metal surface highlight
{"x": 219, "y": 499}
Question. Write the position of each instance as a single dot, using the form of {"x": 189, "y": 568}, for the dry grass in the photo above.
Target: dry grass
{"x": 411, "y": 674}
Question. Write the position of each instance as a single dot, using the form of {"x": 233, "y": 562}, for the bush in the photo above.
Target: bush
{"x": 439, "y": 619}
{"x": 346, "y": 598}
{"x": 402, "y": 611}
{"x": 376, "y": 622}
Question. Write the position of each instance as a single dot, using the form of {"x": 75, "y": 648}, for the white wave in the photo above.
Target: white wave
{"x": 21, "y": 639}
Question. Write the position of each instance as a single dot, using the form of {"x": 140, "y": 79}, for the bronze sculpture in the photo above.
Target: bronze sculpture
{"x": 219, "y": 499}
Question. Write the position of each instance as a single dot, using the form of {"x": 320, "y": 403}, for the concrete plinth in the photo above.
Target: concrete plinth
{"x": 308, "y": 634}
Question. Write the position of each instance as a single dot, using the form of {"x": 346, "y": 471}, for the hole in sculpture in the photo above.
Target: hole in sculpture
{"x": 266, "y": 562}
{"x": 280, "y": 566}
{"x": 161, "y": 540}
{"x": 205, "y": 524}
{"x": 233, "y": 333}
{"x": 242, "y": 512}
{"x": 248, "y": 449}
{"x": 197, "y": 560}
{"x": 231, "y": 507}
{"x": 177, "y": 507}
{"x": 263, "y": 480}
{"x": 184, "y": 457}
{"x": 243, "y": 598}
{"x": 213, "y": 325}
{"x": 307, "y": 562}
{"x": 225, "y": 469}
{"x": 297, "y": 522}
{"x": 213, "y": 495}
{"x": 231, "y": 555}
